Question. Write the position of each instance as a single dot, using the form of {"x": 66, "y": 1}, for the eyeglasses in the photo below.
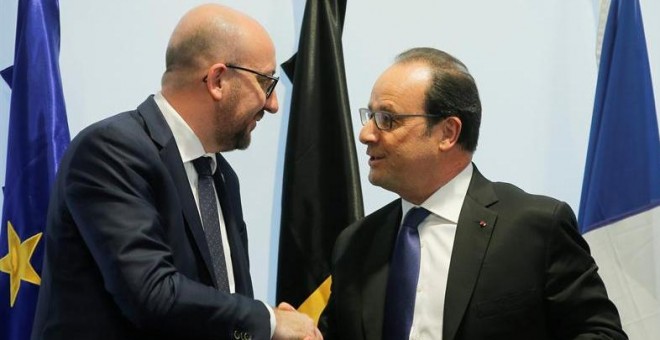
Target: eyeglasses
{"x": 384, "y": 120}
{"x": 266, "y": 82}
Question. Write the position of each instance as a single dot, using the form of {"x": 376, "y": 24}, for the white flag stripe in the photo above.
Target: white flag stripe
{"x": 602, "y": 21}
{"x": 626, "y": 252}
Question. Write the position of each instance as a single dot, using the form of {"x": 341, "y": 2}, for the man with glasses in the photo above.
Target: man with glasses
{"x": 145, "y": 236}
{"x": 456, "y": 256}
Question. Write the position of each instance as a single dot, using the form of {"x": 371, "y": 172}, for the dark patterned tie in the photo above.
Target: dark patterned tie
{"x": 208, "y": 205}
{"x": 403, "y": 276}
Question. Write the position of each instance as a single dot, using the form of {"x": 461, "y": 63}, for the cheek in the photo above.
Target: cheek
{"x": 408, "y": 151}
{"x": 249, "y": 110}
{"x": 415, "y": 153}
{"x": 241, "y": 116}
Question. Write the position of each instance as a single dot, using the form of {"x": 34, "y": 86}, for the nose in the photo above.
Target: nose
{"x": 272, "y": 104}
{"x": 368, "y": 133}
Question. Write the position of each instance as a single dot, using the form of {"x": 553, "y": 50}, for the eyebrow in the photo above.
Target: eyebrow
{"x": 270, "y": 73}
{"x": 385, "y": 108}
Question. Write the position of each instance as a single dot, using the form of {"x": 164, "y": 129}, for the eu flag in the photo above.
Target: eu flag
{"x": 620, "y": 206}
{"x": 37, "y": 137}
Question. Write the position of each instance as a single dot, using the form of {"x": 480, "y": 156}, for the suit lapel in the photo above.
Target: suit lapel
{"x": 473, "y": 233}
{"x": 169, "y": 153}
{"x": 226, "y": 197}
{"x": 376, "y": 268}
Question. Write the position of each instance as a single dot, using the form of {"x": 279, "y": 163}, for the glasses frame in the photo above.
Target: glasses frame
{"x": 268, "y": 90}
{"x": 366, "y": 115}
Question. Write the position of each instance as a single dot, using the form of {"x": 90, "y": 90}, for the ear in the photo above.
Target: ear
{"x": 450, "y": 130}
{"x": 215, "y": 80}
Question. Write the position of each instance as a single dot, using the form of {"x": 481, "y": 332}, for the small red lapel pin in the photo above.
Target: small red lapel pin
{"x": 483, "y": 224}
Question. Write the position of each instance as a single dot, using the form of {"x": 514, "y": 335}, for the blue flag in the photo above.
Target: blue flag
{"x": 622, "y": 175}
{"x": 620, "y": 205}
{"x": 37, "y": 137}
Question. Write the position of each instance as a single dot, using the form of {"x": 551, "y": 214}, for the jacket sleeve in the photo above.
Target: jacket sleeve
{"x": 579, "y": 307}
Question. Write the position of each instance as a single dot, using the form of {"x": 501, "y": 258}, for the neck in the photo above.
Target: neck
{"x": 439, "y": 177}
{"x": 187, "y": 105}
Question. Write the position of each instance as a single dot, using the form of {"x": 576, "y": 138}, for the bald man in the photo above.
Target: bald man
{"x": 145, "y": 236}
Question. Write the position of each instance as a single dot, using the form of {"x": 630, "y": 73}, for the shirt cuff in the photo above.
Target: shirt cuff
{"x": 273, "y": 321}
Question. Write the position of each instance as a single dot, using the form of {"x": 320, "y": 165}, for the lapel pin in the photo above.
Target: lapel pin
{"x": 483, "y": 224}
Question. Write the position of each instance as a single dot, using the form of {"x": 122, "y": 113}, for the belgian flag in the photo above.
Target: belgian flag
{"x": 321, "y": 193}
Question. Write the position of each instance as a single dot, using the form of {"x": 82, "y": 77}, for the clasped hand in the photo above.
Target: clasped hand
{"x": 294, "y": 325}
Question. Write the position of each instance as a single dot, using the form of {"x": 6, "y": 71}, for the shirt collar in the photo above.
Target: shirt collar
{"x": 447, "y": 201}
{"x": 190, "y": 147}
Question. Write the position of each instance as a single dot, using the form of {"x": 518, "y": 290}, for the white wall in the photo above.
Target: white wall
{"x": 533, "y": 61}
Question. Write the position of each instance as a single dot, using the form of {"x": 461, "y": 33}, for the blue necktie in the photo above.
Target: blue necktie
{"x": 208, "y": 206}
{"x": 402, "y": 279}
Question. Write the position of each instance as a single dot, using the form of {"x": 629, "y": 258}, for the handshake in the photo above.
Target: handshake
{"x": 292, "y": 324}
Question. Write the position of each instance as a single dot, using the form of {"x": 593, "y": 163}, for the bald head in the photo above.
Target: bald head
{"x": 208, "y": 34}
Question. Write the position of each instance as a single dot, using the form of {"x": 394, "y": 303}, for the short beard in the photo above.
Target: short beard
{"x": 241, "y": 140}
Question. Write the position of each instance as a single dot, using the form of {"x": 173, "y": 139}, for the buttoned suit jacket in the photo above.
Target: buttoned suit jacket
{"x": 126, "y": 256}
{"x": 519, "y": 270}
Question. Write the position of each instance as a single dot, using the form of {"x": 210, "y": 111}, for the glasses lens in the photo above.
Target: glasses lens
{"x": 270, "y": 87}
{"x": 383, "y": 120}
{"x": 264, "y": 82}
{"x": 364, "y": 116}
{"x": 267, "y": 83}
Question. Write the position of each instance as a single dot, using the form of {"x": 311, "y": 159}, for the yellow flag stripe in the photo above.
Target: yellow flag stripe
{"x": 316, "y": 302}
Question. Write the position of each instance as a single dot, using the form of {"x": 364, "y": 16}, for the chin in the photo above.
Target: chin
{"x": 243, "y": 145}
{"x": 383, "y": 182}
{"x": 375, "y": 180}
{"x": 242, "y": 141}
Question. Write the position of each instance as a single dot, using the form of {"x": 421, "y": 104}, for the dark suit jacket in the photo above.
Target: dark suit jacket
{"x": 526, "y": 275}
{"x": 126, "y": 256}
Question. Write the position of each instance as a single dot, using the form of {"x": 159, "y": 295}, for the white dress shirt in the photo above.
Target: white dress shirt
{"x": 436, "y": 235}
{"x": 191, "y": 148}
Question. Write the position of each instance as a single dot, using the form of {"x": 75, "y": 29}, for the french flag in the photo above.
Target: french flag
{"x": 620, "y": 204}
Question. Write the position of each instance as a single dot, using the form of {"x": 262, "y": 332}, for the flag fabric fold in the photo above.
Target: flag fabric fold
{"x": 321, "y": 192}
{"x": 38, "y": 134}
{"x": 620, "y": 204}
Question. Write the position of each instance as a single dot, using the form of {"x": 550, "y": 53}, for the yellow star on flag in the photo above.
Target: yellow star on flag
{"x": 17, "y": 261}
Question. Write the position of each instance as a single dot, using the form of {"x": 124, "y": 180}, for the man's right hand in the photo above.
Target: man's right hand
{"x": 294, "y": 325}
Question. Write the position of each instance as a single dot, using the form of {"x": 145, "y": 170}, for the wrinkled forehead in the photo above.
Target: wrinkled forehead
{"x": 402, "y": 85}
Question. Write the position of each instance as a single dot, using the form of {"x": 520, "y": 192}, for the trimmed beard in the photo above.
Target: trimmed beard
{"x": 241, "y": 140}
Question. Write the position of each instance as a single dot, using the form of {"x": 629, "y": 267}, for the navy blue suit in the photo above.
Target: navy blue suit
{"x": 126, "y": 256}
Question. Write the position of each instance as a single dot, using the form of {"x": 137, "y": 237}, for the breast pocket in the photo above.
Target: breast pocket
{"x": 520, "y": 302}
